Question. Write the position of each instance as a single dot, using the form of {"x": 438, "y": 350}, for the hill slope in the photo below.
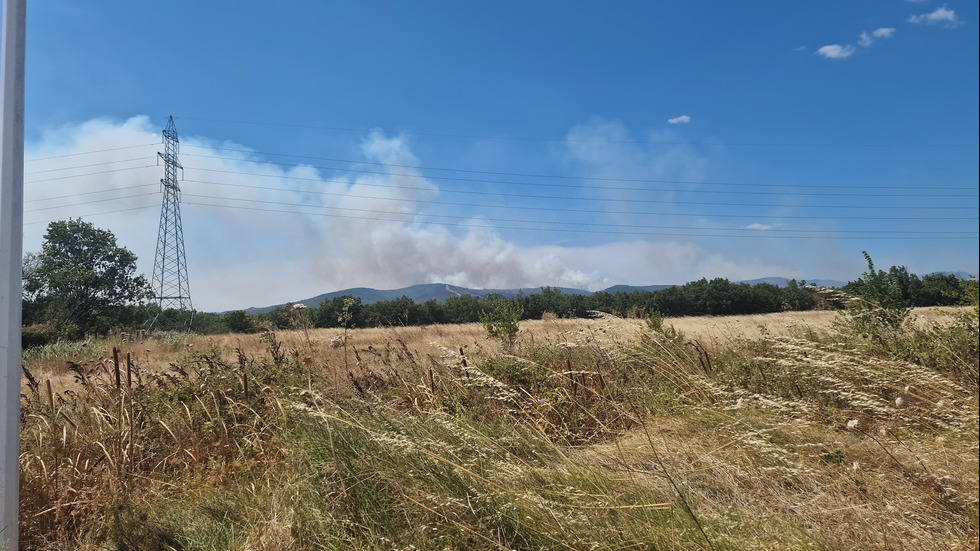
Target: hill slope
{"x": 442, "y": 291}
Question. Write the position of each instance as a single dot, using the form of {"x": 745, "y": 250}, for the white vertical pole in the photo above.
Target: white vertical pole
{"x": 11, "y": 251}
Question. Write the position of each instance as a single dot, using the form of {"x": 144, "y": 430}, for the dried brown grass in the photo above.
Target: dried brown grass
{"x": 769, "y": 432}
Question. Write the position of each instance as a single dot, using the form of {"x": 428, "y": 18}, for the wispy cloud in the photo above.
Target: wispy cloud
{"x": 867, "y": 39}
{"x": 683, "y": 119}
{"x": 836, "y": 51}
{"x": 941, "y": 16}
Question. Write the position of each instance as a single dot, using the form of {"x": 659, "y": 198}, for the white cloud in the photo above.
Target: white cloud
{"x": 758, "y": 226}
{"x": 883, "y": 32}
{"x": 868, "y": 39}
{"x": 683, "y": 119}
{"x": 836, "y": 51}
{"x": 943, "y": 15}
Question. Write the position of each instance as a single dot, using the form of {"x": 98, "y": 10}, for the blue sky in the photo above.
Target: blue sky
{"x": 328, "y": 145}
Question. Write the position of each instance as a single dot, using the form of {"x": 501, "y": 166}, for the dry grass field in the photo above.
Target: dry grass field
{"x": 775, "y": 431}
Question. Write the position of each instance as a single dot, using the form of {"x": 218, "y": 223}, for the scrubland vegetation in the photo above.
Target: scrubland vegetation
{"x": 786, "y": 431}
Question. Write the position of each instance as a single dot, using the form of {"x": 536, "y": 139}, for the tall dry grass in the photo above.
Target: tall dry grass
{"x": 762, "y": 432}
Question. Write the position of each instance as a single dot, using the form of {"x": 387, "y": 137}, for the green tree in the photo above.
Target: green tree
{"x": 398, "y": 312}
{"x": 799, "y": 297}
{"x": 329, "y": 312}
{"x": 240, "y": 321}
{"x": 281, "y": 317}
{"x": 941, "y": 290}
{"x": 431, "y": 311}
{"x": 81, "y": 278}
{"x": 462, "y": 309}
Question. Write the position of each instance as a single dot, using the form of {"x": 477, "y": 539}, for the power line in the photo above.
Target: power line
{"x": 85, "y": 166}
{"x": 90, "y": 202}
{"x": 590, "y": 224}
{"x": 613, "y": 200}
{"x": 88, "y": 174}
{"x": 534, "y": 175}
{"x": 36, "y": 159}
{"x": 931, "y": 191}
{"x": 743, "y": 232}
{"x": 577, "y": 211}
{"x": 757, "y": 234}
{"x": 522, "y": 203}
{"x": 89, "y": 193}
{"x": 98, "y": 213}
{"x": 519, "y": 207}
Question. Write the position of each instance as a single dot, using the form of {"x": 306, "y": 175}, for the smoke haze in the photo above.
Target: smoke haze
{"x": 258, "y": 233}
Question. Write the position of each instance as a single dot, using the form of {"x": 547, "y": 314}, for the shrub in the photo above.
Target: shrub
{"x": 500, "y": 319}
{"x": 878, "y": 305}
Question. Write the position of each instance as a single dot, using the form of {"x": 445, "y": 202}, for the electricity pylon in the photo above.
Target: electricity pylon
{"x": 170, "y": 283}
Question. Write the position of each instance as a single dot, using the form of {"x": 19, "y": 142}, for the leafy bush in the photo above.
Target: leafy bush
{"x": 878, "y": 304}
{"x": 500, "y": 319}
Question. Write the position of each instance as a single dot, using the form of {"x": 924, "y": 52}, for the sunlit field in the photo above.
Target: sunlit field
{"x": 782, "y": 431}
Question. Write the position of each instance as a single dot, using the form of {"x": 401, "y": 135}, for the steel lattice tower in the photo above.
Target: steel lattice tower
{"x": 169, "y": 266}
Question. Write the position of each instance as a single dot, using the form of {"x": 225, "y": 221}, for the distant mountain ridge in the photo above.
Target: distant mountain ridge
{"x": 441, "y": 291}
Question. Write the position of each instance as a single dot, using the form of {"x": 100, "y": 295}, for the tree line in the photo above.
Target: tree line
{"x": 716, "y": 297}
{"x": 82, "y": 282}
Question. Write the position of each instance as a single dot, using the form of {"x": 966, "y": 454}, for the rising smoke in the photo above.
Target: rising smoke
{"x": 259, "y": 233}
